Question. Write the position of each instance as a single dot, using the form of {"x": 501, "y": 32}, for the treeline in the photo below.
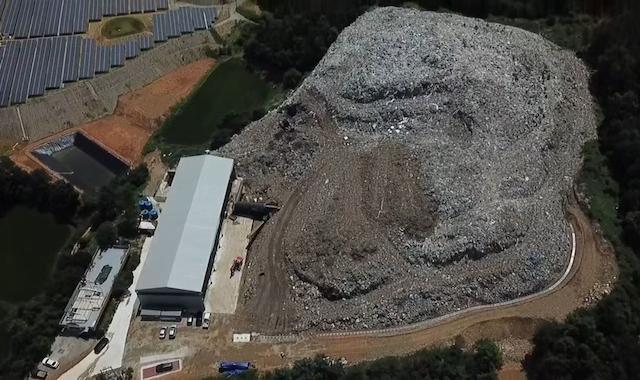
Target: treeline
{"x": 18, "y": 187}
{"x": 482, "y": 362}
{"x": 115, "y": 209}
{"x": 31, "y": 327}
{"x": 474, "y": 8}
{"x": 292, "y": 36}
{"x": 604, "y": 342}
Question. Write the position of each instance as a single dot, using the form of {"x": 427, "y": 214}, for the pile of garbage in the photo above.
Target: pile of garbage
{"x": 490, "y": 120}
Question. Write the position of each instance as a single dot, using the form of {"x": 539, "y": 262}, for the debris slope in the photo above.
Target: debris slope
{"x": 428, "y": 160}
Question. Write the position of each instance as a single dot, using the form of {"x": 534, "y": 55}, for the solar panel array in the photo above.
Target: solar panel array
{"x": 180, "y": 21}
{"x": 40, "y": 18}
{"x": 44, "y": 53}
{"x": 29, "y": 67}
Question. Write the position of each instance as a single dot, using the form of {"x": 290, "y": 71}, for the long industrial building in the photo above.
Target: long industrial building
{"x": 177, "y": 269}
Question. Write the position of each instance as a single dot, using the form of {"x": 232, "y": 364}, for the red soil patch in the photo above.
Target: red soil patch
{"x": 138, "y": 114}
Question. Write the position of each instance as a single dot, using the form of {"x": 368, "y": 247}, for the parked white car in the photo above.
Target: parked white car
{"x": 50, "y": 363}
{"x": 163, "y": 332}
{"x": 172, "y": 331}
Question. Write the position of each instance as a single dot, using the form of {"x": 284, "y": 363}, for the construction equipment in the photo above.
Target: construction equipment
{"x": 237, "y": 265}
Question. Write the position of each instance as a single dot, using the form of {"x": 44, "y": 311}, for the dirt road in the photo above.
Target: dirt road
{"x": 268, "y": 312}
{"x": 594, "y": 264}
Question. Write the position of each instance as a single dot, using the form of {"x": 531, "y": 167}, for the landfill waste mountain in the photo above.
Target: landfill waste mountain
{"x": 426, "y": 164}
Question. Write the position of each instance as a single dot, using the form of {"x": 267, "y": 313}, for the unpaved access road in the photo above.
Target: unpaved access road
{"x": 269, "y": 310}
{"x": 594, "y": 263}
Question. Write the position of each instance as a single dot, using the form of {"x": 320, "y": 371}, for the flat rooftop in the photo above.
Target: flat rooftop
{"x": 90, "y": 297}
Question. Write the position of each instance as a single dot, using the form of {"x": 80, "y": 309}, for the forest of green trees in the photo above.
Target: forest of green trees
{"x": 18, "y": 187}
{"x": 293, "y": 35}
{"x": 33, "y": 325}
{"x": 479, "y": 363}
{"x": 602, "y": 342}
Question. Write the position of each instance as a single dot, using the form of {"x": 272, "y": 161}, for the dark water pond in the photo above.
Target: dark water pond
{"x": 84, "y": 164}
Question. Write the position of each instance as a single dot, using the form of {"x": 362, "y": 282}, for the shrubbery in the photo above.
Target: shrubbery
{"x": 604, "y": 342}
{"x": 482, "y": 362}
{"x": 35, "y": 190}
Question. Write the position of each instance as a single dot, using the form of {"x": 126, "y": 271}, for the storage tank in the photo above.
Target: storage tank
{"x": 142, "y": 204}
{"x": 145, "y": 214}
{"x": 153, "y": 214}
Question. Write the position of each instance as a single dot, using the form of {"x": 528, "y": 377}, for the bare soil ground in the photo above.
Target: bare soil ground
{"x": 138, "y": 114}
{"x": 361, "y": 192}
{"x": 512, "y": 326}
{"x": 157, "y": 170}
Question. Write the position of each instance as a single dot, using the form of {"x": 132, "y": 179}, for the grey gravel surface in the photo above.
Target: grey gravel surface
{"x": 438, "y": 152}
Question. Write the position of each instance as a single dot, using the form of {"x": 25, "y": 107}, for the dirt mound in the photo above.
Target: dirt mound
{"x": 429, "y": 157}
{"x": 364, "y": 205}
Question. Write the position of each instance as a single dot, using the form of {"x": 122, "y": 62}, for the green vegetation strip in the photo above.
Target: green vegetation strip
{"x": 228, "y": 99}
{"x": 122, "y": 26}
{"x": 31, "y": 241}
{"x": 229, "y": 89}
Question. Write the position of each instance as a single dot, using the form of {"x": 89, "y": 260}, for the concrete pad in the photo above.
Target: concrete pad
{"x": 119, "y": 327}
{"x": 112, "y": 355}
{"x": 222, "y": 293}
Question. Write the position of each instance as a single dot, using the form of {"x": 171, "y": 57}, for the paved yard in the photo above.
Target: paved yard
{"x": 222, "y": 294}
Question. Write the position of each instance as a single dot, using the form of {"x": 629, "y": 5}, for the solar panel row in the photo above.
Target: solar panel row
{"x": 37, "y": 18}
{"x": 102, "y": 59}
{"x": 179, "y": 21}
{"x": 146, "y": 42}
{"x": 29, "y": 67}
{"x": 88, "y": 58}
{"x": 42, "y": 52}
{"x": 132, "y": 48}
{"x": 2, "y": 4}
{"x": 6, "y": 73}
{"x": 117, "y": 55}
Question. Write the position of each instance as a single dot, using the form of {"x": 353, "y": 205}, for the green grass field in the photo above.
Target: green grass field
{"x": 230, "y": 89}
{"x": 122, "y": 26}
